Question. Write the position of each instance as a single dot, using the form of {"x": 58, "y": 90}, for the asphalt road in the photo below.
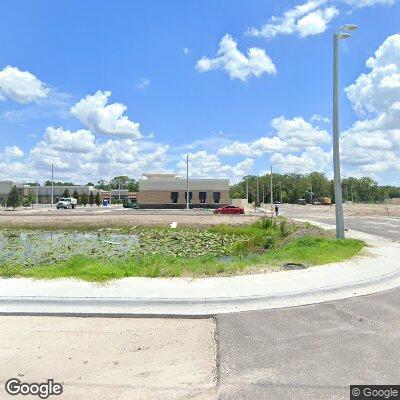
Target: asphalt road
{"x": 388, "y": 227}
{"x": 312, "y": 352}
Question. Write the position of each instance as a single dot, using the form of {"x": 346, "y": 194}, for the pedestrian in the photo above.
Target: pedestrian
{"x": 276, "y": 210}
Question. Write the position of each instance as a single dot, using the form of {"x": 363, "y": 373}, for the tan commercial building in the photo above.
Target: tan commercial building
{"x": 169, "y": 191}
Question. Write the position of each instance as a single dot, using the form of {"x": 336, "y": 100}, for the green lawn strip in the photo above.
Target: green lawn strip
{"x": 314, "y": 250}
{"x": 309, "y": 250}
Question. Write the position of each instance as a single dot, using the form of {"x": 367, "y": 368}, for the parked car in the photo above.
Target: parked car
{"x": 131, "y": 204}
{"x": 229, "y": 210}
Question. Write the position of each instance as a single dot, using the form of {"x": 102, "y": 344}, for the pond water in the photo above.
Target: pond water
{"x": 29, "y": 248}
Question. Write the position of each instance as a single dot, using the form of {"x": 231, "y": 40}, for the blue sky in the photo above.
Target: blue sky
{"x": 126, "y": 87}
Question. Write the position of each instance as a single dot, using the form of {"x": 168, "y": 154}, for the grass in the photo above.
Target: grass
{"x": 259, "y": 246}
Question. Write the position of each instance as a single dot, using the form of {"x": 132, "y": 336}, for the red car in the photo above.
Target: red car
{"x": 229, "y": 210}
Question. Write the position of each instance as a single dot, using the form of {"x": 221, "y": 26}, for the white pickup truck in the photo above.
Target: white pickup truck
{"x": 67, "y": 202}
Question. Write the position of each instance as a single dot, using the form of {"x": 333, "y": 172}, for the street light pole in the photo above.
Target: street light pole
{"x": 272, "y": 192}
{"x": 187, "y": 182}
{"x": 335, "y": 120}
{"x": 52, "y": 184}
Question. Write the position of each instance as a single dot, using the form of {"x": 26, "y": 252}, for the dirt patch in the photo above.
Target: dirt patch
{"x": 96, "y": 220}
{"x": 112, "y": 358}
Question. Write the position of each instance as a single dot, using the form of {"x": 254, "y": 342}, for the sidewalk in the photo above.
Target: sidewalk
{"x": 376, "y": 270}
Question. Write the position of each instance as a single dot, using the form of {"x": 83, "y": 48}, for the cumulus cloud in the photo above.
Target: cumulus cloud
{"x": 205, "y": 165}
{"x": 373, "y": 143}
{"x": 291, "y": 135}
{"x": 13, "y": 152}
{"x": 235, "y": 63}
{"x": 21, "y": 86}
{"x": 312, "y": 159}
{"x": 81, "y": 141}
{"x": 254, "y": 149}
{"x": 310, "y": 18}
{"x": 104, "y": 119}
{"x": 299, "y": 133}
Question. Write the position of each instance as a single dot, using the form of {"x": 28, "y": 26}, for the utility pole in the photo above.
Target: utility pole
{"x": 37, "y": 192}
{"x": 335, "y": 121}
{"x": 263, "y": 195}
{"x": 258, "y": 194}
{"x": 280, "y": 184}
{"x": 311, "y": 194}
{"x": 187, "y": 182}
{"x": 247, "y": 190}
{"x": 272, "y": 192}
{"x": 352, "y": 197}
{"x": 52, "y": 184}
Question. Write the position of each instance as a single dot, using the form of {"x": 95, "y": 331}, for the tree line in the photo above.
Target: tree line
{"x": 289, "y": 188}
{"x": 118, "y": 182}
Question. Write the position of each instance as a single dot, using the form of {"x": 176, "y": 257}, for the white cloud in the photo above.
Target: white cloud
{"x": 312, "y": 159}
{"x": 143, "y": 83}
{"x": 373, "y": 144}
{"x": 291, "y": 135}
{"x": 81, "y": 141}
{"x": 380, "y": 88}
{"x": 310, "y": 18}
{"x": 254, "y": 149}
{"x": 319, "y": 118}
{"x": 21, "y": 86}
{"x": 13, "y": 152}
{"x": 235, "y": 63}
{"x": 368, "y": 3}
{"x": 104, "y": 119}
{"x": 205, "y": 165}
{"x": 299, "y": 133}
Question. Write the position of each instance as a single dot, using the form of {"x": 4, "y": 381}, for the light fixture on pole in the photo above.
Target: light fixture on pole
{"x": 336, "y": 157}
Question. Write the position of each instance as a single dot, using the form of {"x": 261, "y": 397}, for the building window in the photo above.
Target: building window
{"x": 217, "y": 197}
{"x": 202, "y": 197}
{"x": 190, "y": 197}
{"x": 174, "y": 197}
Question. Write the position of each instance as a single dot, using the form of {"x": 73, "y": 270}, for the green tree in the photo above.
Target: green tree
{"x": 97, "y": 199}
{"x": 75, "y": 195}
{"x": 91, "y": 199}
{"x": 66, "y": 193}
{"x": 84, "y": 199}
{"x": 14, "y": 198}
{"x": 31, "y": 198}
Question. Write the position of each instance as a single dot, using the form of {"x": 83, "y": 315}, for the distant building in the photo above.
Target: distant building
{"x": 169, "y": 191}
{"x": 119, "y": 194}
{"x": 43, "y": 193}
{"x": 6, "y": 186}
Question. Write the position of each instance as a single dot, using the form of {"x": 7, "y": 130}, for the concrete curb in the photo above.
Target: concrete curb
{"x": 209, "y": 296}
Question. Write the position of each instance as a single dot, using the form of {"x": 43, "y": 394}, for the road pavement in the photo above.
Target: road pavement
{"x": 385, "y": 226}
{"x": 317, "y": 351}
{"x": 312, "y": 352}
